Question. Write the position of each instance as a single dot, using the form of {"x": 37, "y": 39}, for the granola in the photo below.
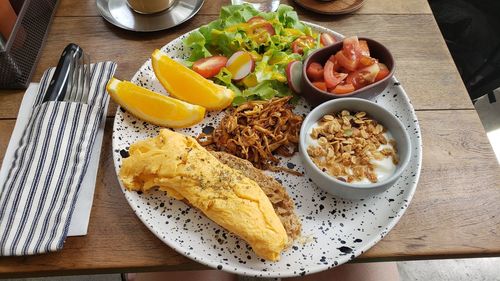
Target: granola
{"x": 348, "y": 144}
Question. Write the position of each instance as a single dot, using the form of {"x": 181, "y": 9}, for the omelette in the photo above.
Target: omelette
{"x": 184, "y": 169}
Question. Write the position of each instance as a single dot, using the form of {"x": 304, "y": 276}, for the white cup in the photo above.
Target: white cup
{"x": 149, "y": 6}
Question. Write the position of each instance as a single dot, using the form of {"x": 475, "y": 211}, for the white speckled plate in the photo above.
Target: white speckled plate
{"x": 337, "y": 230}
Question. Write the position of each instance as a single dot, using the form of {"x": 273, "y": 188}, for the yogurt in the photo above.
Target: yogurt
{"x": 383, "y": 168}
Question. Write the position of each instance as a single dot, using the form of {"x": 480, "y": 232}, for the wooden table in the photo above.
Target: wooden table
{"x": 454, "y": 213}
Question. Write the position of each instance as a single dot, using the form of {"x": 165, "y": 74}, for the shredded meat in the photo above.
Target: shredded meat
{"x": 258, "y": 131}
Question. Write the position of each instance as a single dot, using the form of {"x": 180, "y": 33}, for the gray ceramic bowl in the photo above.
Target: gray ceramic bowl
{"x": 377, "y": 112}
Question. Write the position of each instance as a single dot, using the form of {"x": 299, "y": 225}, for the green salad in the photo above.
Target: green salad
{"x": 272, "y": 39}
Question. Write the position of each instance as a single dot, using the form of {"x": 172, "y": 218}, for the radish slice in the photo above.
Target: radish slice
{"x": 240, "y": 64}
{"x": 294, "y": 75}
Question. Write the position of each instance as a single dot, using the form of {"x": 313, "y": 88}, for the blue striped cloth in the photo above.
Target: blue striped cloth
{"x": 39, "y": 195}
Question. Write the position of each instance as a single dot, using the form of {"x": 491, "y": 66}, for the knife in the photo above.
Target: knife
{"x": 59, "y": 81}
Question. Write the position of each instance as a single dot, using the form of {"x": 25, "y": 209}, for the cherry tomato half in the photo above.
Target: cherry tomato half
{"x": 209, "y": 67}
{"x": 256, "y": 19}
{"x": 301, "y": 43}
{"x": 327, "y": 39}
{"x": 259, "y": 25}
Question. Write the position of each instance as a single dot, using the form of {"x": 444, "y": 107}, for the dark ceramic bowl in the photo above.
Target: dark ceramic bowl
{"x": 316, "y": 96}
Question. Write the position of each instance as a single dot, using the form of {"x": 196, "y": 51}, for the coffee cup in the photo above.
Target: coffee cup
{"x": 150, "y": 6}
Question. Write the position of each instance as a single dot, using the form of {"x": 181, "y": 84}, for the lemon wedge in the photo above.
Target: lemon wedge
{"x": 153, "y": 107}
{"x": 187, "y": 85}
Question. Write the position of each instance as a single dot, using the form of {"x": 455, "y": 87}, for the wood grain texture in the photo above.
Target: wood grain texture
{"x": 453, "y": 213}
{"x": 86, "y": 8}
{"x": 456, "y": 202}
{"x": 423, "y": 63}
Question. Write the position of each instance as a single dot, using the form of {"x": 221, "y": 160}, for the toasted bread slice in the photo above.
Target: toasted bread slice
{"x": 282, "y": 203}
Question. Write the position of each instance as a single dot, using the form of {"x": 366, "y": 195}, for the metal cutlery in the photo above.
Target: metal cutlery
{"x": 78, "y": 86}
{"x": 71, "y": 79}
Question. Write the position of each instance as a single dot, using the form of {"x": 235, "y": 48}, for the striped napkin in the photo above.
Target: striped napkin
{"x": 39, "y": 195}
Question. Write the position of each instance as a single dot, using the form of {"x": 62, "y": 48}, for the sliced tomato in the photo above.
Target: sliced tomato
{"x": 301, "y": 43}
{"x": 343, "y": 89}
{"x": 356, "y": 79}
{"x": 345, "y": 62}
{"x": 350, "y": 48}
{"x": 315, "y": 72}
{"x": 332, "y": 78}
{"x": 327, "y": 39}
{"x": 364, "y": 76}
{"x": 266, "y": 27}
{"x": 320, "y": 85}
{"x": 336, "y": 65}
{"x": 340, "y": 77}
{"x": 353, "y": 40}
{"x": 209, "y": 67}
{"x": 256, "y": 19}
{"x": 351, "y": 68}
{"x": 328, "y": 75}
{"x": 384, "y": 71}
{"x": 370, "y": 72}
{"x": 363, "y": 48}
{"x": 366, "y": 61}
{"x": 260, "y": 27}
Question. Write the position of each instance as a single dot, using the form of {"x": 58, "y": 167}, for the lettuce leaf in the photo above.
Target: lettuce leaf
{"x": 272, "y": 53}
{"x": 196, "y": 41}
{"x": 224, "y": 77}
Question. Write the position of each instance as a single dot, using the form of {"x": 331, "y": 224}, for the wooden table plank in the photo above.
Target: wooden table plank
{"x": 456, "y": 202}
{"x": 71, "y": 8}
{"x": 423, "y": 63}
{"x": 454, "y": 211}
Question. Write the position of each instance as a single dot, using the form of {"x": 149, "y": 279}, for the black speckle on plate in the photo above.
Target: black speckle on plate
{"x": 345, "y": 249}
{"x": 208, "y": 129}
{"x": 124, "y": 153}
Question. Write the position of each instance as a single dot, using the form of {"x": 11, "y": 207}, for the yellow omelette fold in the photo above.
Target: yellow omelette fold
{"x": 185, "y": 170}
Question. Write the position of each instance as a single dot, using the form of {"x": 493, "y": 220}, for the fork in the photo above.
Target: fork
{"x": 78, "y": 86}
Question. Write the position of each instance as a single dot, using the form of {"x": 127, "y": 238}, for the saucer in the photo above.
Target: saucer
{"x": 336, "y": 7}
{"x": 118, "y": 13}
